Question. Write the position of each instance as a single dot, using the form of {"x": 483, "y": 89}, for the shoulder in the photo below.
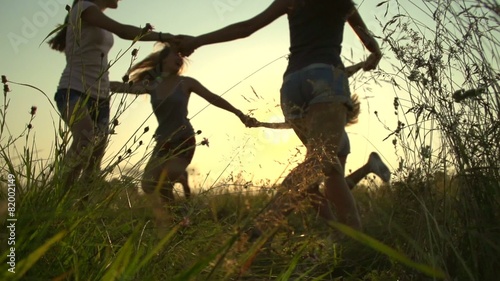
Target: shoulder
{"x": 188, "y": 82}
{"x": 187, "y": 79}
{"x": 81, "y": 6}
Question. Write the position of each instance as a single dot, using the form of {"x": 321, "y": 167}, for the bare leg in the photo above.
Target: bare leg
{"x": 320, "y": 203}
{"x": 325, "y": 138}
{"x": 82, "y": 130}
{"x": 318, "y": 200}
{"x": 183, "y": 180}
{"x": 158, "y": 178}
{"x": 162, "y": 217}
{"x": 153, "y": 183}
{"x": 93, "y": 168}
{"x": 374, "y": 165}
{"x": 307, "y": 173}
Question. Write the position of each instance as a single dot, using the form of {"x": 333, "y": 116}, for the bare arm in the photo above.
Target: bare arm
{"x": 121, "y": 87}
{"x": 197, "y": 88}
{"x": 94, "y": 16}
{"x": 280, "y": 125}
{"x": 238, "y": 30}
{"x": 359, "y": 27}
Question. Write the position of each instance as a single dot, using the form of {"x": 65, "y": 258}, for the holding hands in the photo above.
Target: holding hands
{"x": 249, "y": 121}
{"x": 186, "y": 44}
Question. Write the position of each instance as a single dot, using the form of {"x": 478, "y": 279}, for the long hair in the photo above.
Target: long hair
{"x": 58, "y": 42}
{"x": 150, "y": 67}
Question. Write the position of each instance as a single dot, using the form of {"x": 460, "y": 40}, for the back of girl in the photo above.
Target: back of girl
{"x": 159, "y": 75}
{"x": 316, "y": 32}
{"x": 315, "y": 96}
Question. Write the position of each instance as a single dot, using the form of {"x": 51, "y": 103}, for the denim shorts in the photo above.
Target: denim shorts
{"x": 99, "y": 109}
{"x": 316, "y": 83}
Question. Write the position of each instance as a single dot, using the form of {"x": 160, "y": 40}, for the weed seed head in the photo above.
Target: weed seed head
{"x": 205, "y": 142}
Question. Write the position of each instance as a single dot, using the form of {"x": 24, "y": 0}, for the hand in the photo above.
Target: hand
{"x": 350, "y": 70}
{"x": 372, "y": 61}
{"x": 186, "y": 44}
{"x": 176, "y": 39}
{"x": 249, "y": 122}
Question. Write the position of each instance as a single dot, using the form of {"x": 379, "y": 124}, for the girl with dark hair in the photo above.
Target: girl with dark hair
{"x": 159, "y": 76}
{"x": 82, "y": 95}
{"x": 315, "y": 96}
{"x": 373, "y": 165}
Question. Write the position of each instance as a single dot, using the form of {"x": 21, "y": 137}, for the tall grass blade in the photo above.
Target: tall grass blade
{"x": 26, "y": 264}
{"x": 390, "y": 252}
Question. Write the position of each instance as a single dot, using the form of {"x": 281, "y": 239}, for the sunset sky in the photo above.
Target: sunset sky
{"x": 258, "y": 153}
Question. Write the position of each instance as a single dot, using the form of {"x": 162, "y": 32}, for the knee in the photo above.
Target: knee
{"x": 332, "y": 166}
{"x": 84, "y": 139}
{"x": 156, "y": 180}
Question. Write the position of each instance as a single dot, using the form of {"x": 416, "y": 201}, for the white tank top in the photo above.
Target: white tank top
{"x": 86, "y": 53}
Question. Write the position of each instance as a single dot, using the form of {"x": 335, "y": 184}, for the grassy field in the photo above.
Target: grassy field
{"x": 414, "y": 230}
{"x": 439, "y": 219}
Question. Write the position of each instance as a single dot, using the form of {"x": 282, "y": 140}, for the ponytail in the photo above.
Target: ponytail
{"x": 58, "y": 42}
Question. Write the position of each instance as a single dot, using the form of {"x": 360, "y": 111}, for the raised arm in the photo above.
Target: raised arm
{"x": 235, "y": 31}
{"x": 96, "y": 17}
{"x": 126, "y": 88}
{"x": 197, "y": 88}
{"x": 359, "y": 27}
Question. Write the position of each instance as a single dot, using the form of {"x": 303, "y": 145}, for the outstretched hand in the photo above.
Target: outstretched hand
{"x": 186, "y": 44}
{"x": 249, "y": 121}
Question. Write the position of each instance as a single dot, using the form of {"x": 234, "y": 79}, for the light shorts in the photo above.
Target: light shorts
{"x": 316, "y": 83}
{"x": 99, "y": 109}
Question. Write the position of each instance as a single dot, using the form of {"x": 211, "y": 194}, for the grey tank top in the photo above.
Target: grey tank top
{"x": 171, "y": 114}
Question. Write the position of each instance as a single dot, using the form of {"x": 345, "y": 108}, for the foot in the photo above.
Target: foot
{"x": 378, "y": 167}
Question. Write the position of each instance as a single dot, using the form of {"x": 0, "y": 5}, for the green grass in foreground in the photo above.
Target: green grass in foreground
{"x": 410, "y": 233}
